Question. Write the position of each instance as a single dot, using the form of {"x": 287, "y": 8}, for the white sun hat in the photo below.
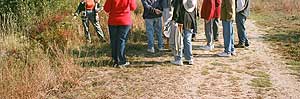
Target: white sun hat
{"x": 189, "y": 5}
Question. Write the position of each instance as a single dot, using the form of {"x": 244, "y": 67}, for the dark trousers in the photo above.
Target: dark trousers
{"x": 118, "y": 38}
{"x": 241, "y": 29}
{"x": 215, "y": 28}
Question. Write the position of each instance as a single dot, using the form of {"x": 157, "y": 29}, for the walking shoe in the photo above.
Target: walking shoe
{"x": 190, "y": 62}
{"x": 224, "y": 54}
{"x": 247, "y": 45}
{"x": 239, "y": 45}
{"x": 178, "y": 62}
{"x": 207, "y": 48}
{"x": 124, "y": 65}
{"x": 161, "y": 49}
{"x": 151, "y": 50}
{"x": 233, "y": 53}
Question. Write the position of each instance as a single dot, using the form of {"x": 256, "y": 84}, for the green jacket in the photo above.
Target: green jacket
{"x": 228, "y": 10}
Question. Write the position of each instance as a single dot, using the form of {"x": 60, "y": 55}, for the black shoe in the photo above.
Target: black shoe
{"x": 239, "y": 45}
{"x": 216, "y": 40}
{"x": 247, "y": 44}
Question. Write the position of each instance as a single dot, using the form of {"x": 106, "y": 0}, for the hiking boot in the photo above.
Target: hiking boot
{"x": 224, "y": 54}
{"x": 151, "y": 50}
{"x": 240, "y": 45}
{"x": 178, "y": 62}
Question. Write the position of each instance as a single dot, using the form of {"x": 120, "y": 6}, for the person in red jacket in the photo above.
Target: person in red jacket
{"x": 208, "y": 14}
{"x": 216, "y": 20}
{"x": 119, "y": 23}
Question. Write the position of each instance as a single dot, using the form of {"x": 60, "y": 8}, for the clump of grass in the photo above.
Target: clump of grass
{"x": 215, "y": 63}
{"x": 233, "y": 78}
{"x": 204, "y": 72}
{"x": 262, "y": 79}
{"x": 261, "y": 82}
{"x": 259, "y": 74}
{"x": 226, "y": 69}
{"x": 295, "y": 66}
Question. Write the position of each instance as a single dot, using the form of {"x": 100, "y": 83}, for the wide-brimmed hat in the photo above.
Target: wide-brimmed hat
{"x": 189, "y": 5}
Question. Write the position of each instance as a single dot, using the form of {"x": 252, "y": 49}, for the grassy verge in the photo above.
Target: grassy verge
{"x": 282, "y": 24}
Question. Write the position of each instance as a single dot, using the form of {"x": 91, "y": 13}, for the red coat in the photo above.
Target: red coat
{"x": 119, "y": 11}
{"x": 208, "y": 9}
{"x": 218, "y": 9}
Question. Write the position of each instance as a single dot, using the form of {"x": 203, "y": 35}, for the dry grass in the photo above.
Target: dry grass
{"x": 29, "y": 69}
{"x": 282, "y": 17}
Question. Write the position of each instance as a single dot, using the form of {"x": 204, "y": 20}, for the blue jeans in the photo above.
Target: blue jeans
{"x": 215, "y": 28}
{"x": 209, "y": 32}
{"x": 228, "y": 36}
{"x": 240, "y": 24}
{"x": 187, "y": 45}
{"x": 91, "y": 16}
{"x": 118, "y": 39}
{"x": 154, "y": 26}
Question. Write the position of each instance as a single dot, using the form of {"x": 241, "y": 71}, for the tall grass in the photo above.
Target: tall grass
{"x": 34, "y": 40}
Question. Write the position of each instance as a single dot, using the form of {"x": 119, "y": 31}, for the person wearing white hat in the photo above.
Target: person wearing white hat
{"x": 184, "y": 15}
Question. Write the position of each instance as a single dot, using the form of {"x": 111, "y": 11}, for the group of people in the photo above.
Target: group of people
{"x": 176, "y": 19}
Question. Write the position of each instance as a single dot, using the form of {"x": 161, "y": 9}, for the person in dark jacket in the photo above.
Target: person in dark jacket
{"x": 152, "y": 16}
{"x": 89, "y": 10}
{"x": 185, "y": 15}
{"x": 242, "y": 12}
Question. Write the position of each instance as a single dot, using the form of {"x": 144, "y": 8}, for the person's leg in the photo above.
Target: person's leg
{"x": 232, "y": 50}
{"x": 123, "y": 34}
{"x": 150, "y": 33}
{"x": 187, "y": 44}
{"x": 241, "y": 29}
{"x": 95, "y": 21}
{"x": 113, "y": 34}
{"x": 176, "y": 44}
{"x": 209, "y": 32}
{"x": 158, "y": 31}
{"x": 216, "y": 28}
{"x": 85, "y": 23}
{"x": 227, "y": 35}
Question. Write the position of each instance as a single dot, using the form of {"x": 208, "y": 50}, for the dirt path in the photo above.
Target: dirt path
{"x": 255, "y": 73}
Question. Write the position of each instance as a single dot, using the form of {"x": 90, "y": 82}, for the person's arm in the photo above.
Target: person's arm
{"x": 107, "y": 6}
{"x": 229, "y": 8}
{"x": 79, "y": 8}
{"x": 147, "y": 6}
{"x": 240, "y": 5}
{"x": 133, "y": 5}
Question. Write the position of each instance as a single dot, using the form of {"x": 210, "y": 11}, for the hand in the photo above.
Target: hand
{"x": 157, "y": 11}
